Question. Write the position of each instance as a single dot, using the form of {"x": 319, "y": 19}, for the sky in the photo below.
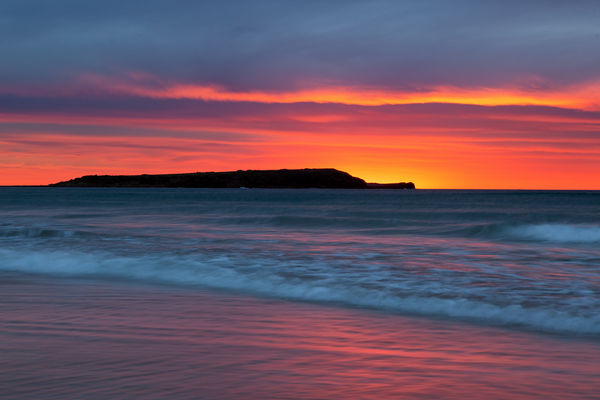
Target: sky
{"x": 446, "y": 94}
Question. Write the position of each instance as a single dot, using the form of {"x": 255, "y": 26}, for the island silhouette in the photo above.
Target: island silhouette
{"x": 318, "y": 178}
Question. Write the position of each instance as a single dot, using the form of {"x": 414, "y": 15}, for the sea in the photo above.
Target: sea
{"x": 156, "y": 293}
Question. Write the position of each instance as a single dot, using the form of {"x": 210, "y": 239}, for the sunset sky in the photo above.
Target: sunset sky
{"x": 447, "y": 94}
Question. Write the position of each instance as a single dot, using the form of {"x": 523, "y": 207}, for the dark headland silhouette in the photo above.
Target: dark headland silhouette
{"x": 323, "y": 178}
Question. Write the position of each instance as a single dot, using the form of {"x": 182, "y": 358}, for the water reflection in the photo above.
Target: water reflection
{"x": 71, "y": 339}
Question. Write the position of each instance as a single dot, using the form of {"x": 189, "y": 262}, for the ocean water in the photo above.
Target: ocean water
{"x": 260, "y": 293}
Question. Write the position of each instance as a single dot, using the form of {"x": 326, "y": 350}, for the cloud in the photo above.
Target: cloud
{"x": 273, "y": 46}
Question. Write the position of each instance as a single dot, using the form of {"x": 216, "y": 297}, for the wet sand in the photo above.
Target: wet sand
{"x": 96, "y": 340}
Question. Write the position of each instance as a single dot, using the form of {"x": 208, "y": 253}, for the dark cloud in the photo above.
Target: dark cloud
{"x": 188, "y": 109}
{"x": 274, "y": 45}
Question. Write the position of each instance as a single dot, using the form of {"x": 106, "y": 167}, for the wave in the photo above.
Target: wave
{"x": 220, "y": 272}
{"x": 510, "y": 230}
{"x": 556, "y": 233}
{"x": 532, "y": 232}
{"x": 40, "y": 233}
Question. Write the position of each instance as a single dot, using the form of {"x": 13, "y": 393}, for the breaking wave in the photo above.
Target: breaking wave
{"x": 224, "y": 272}
{"x": 555, "y": 233}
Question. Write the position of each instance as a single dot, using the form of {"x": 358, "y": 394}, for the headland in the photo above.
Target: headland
{"x": 318, "y": 178}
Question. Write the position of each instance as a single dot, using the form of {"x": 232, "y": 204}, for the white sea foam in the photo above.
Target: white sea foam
{"x": 556, "y": 233}
{"x": 222, "y": 272}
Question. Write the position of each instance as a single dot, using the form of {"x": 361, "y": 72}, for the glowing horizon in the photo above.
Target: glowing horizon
{"x": 365, "y": 145}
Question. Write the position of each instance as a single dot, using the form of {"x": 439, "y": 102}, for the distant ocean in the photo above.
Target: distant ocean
{"x": 292, "y": 293}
